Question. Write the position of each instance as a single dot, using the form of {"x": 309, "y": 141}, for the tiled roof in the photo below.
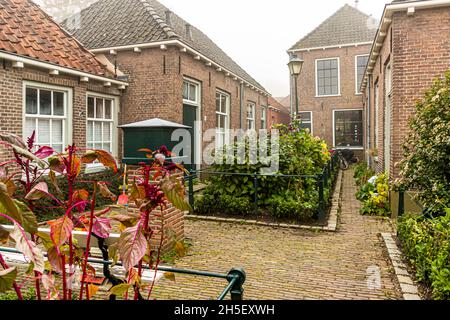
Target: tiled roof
{"x": 26, "y": 30}
{"x": 348, "y": 25}
{"x": 114, "y": 23}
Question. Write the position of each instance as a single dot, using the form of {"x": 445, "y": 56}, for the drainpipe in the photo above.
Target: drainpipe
{"x": 369, "y": 158}
{"x": 241, "y": 107}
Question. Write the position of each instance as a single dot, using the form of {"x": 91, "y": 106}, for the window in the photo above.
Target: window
{"x": 222, "y": 118}
{"x": 46, "y": 114}
{"x": 191, "y": 92}
{"x": 306, "y": 118}
{"x": 348, "y": 128}
{"x": 264, "y": 118}
{"x": 327, "y": 77}
{"x": 361, "y": 63}
{"x": 251, "y": 108}
{"x": 100, "y": 123}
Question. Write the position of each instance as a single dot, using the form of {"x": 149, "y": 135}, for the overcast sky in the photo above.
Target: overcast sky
{"x": 257, "y": 33}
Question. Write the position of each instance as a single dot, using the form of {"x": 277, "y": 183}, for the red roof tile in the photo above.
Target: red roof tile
{"x": 26, "y": 30}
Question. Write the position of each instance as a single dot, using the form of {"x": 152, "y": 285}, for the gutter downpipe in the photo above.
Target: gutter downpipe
{"x": 241, "y": 107}
{"x": 369, "y": 158}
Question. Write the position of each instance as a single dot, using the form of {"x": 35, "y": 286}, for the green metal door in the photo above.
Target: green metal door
{"x": 189, "y": 118}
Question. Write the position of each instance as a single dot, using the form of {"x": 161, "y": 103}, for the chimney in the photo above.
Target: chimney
{"x": 169, "y": 17}
{"x": 188, "y": 31}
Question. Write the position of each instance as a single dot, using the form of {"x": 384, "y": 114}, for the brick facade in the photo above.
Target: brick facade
{"x": 418, "y": 47}
{"x": 322, "y": 107}
{"x": 12, "y": 104}
{"x": 156, "y": 88}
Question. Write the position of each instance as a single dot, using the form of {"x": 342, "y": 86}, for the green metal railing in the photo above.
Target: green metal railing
{"x": 324, "y": 180}
{"x": 235, "y": 277}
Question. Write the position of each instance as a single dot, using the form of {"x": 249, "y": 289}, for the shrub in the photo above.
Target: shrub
{"x": 299, "y": 154}
{"x": 11, "y": 295}
{"x": 426, "y": 243}
{"x": 363, "y": 173}
{"x": 426, "y": 163}
{"x": 375, "y": 197}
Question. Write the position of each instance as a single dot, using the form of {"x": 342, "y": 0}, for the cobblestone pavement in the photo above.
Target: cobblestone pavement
{"x": 290, "y": 264}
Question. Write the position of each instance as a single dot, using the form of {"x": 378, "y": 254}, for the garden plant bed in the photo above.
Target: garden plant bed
{"x": 329, "y": 224}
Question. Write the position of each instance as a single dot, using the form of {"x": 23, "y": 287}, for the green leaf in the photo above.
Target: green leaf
{"x": 7, "y": 278}
{"x": 174, "y": 192}
{"x": 29, "y": 220}
{"x": 4, "y": 234}
{"x": 27, "y": 154}
{"x": 170, "y": 276}
{"x": 7, "y": 205}
{"x": 120, "y": 289}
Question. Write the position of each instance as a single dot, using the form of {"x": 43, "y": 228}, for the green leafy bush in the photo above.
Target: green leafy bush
{"x": 426, "y": 163}
{"x": 426, "y": 243}
{"x": 12, "y": 295}
{"x": 299, "y": 154}
{"x": 375, "y": 197}
{"x": 363, "y": 173}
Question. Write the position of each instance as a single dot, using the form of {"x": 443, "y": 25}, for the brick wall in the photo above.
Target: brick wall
{"x": 420, "y": 53}
{"x": 156, "y": 86}
{"x": 322, "y": 107}
{"x": 11, "y": 100}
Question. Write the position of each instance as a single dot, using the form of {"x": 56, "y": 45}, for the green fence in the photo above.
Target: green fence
{"x": 324, "y": 180}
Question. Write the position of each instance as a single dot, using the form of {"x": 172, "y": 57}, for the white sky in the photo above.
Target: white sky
{"x": 257, "y": 33}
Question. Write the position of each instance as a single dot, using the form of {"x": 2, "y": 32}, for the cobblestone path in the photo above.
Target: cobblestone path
{"x": 290, "y": 264}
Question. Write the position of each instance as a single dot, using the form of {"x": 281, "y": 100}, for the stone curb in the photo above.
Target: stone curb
{"x": 407, "y": 286}
{"x": 336, "y": 202}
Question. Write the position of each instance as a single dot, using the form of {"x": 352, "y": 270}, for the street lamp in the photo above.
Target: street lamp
{"x": 295, "y": 68}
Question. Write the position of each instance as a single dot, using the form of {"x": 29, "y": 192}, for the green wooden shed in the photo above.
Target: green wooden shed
{"x": 150, "y": 134}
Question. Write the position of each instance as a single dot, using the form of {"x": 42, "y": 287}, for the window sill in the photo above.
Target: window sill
{"x": 94, "y": 168}
{"x": 349, "y": 148}
{"x": 329, "y": 96}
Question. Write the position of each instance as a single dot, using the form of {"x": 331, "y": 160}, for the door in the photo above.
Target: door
{"x": 189, "y": 119}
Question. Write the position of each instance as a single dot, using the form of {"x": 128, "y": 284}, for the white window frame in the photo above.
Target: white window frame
{"x": 227, "y": 119}
{"x": 197, "y": 85}
{"x": 317, "y": 79}
{"x": 377, "y": 109}
{"x": 67, "y": 119}
{"x": 334, "y": 129}
{"x": 264, "y": 111}
{"x": 199, "y": 124}
{"x": 308, "y": 122}
{"x": 357, "y": 85}
{"x": 253, "y": 119}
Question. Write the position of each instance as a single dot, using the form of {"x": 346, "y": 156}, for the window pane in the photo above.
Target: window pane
{"x": 98, "y": 146}
{"x": 45, "y": 102}
{"x": 91, "y": 108}
{"x": 106, "y": 131}
{"x": 30, "y": 126}
{"x": 97, "y": 131}
{"x": 31, "y": 101}
{"x": 224, "y": 104}
{"x": 90, "y": 131}
{"x": 90, "y": 146}
{"x": 99, "y": 108}
{"x": 218, "y": 107}
{"x": 185, "y": 90}
{"x": 57, "y": 131}
{"x": 107, "y": 147}
{"x": 192, "y": 92}
{"x": 108, "y": 109}
{"x": 305, "y": 116}
{"x": 348, "y": 128}
{"x": 58, "y": 148}
{"x": 58, "y": 103}
{"x": 43, "y": 137}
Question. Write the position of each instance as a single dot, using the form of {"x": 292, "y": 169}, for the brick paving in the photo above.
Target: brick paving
{"x": 289, "y": 264}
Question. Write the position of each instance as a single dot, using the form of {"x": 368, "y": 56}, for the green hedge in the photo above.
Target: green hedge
{"x": 46, "y": 209}
{"x": 426, "y": 243}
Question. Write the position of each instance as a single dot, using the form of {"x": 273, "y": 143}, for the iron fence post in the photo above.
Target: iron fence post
{"x": 237, "y": 291}
{"x": 401, "y": 202}
{"x": 321, "y": 197}
{"x": 255, "y": 197}
{"x": 191, "y": 188}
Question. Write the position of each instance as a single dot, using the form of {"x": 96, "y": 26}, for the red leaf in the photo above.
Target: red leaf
{"x": 105, "y": 192}
{"x": 61, "y": 230}
{"x": 44, "y": 152}
{"x": 132, "y": 246}
{"x": 145, "y": 150}
{"x": 38, "y": 192}
{"x": 79, "y": 198}
{"x": 102, "y": 227}
{"x": 57, "y": 164}
{"x": 102, "y": 156}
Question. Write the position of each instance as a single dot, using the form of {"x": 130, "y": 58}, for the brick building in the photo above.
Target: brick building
{"x": 50, "y": 84}
{"x": 335, "y": 55}
{"x": 175, "y": 71}
{"x": 411, "y": 49}
{"x": 277, "y": 114}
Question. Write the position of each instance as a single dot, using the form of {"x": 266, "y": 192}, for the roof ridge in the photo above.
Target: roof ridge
{"x": 162, "y": 23}
{"x": 325, "y": 21}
